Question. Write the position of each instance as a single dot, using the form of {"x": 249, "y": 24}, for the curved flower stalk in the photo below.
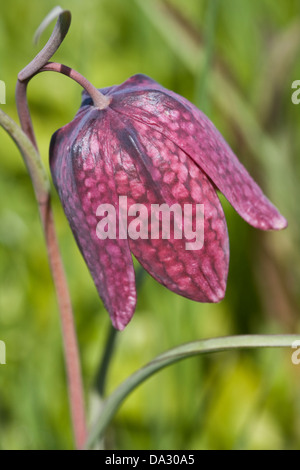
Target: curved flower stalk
{"x": 27, "y": 144}
{"x": 149, "y": 147}
{"x": 212, "y": 345}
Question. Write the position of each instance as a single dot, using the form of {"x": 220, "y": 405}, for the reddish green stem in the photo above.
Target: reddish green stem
{"x": 71, "y": 352}
{"x": 40, "y": 64}
{"x": 100, "y": 101}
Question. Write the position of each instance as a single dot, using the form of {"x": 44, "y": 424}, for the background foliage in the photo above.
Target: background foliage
{"x": 236, "y": 60}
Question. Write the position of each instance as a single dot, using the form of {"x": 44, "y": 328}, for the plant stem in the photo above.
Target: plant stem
{"x": 58, "y": 34}
{"x": 37, "y": 173}
{"x": 24, "y": 114}
{"x": 100, "y": 101}
{"x": 71, "y": 352}
{"x": 31, "y": 158}
{"x": 201, "y": 98}
{"x": 109, "y": 348}
{"x": 100, "y": 381}
{"x": 113, "y": 402}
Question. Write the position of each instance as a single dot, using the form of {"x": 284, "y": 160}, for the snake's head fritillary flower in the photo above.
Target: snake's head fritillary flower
{"x": 150, "y": 147}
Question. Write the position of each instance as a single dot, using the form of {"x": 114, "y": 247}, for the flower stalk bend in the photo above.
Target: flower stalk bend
{"x": 42, "y": 190}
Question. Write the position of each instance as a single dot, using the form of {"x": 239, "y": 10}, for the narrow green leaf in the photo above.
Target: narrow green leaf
{"x": 111, "y": 405}
{"x": 30, "y": 155}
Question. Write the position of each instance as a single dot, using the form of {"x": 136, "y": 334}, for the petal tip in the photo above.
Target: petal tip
{"x": 219, "y": 294}
{"x": 120, "y": 319}
{"x": 216, "y": 294}
{"x": 119, "y": 323}
{"x": 280, "y": 223}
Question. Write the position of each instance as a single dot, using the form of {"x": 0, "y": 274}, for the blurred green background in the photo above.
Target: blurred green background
{"x": 236, "y": 60}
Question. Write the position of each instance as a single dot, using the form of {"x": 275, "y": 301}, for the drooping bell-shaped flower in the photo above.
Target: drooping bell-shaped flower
{"x": 147, "y": 148}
